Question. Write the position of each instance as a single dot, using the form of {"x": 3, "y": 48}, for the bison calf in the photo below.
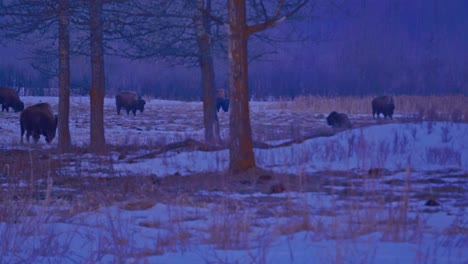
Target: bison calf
{"x": 38, "y": 120}
{"x": 9, "y": 98}
{"x": 221, "y": 100}
{"x": 130, "y": 101}
{"x": 338, "y": 120}
{"x": 384, "y": 105}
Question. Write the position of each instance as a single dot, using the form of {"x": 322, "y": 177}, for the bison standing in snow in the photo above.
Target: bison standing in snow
{"x": 38, "y": 120}
{"x": 9, "y": 98}
{"x": 338, "y": 120}
{"x": 384, "y": 105}
{"x": 221, "y": 100}
{"x": 130, "y": 101}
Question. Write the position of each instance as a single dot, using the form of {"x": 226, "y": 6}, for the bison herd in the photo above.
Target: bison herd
{"x": 380, "y": 105}
{"x": 39, "y": 119}
{"x": 35, "y": 120}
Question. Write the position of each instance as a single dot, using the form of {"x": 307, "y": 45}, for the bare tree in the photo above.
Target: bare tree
{"x": 23, "y": 18}
{"x": 64, "y": 138}
{"x": 97, "y": 91}
{"x": 205, "y": 60}
{"x": 179, "y": 32}
{"x": 146, "y": 41}
{"x": 241, "y": 156}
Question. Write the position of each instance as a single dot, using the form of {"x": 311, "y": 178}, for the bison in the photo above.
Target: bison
{"x": 38, "y": 120}
{"x": 9, "y": 98}
{"x": 384, "y": 105}
{"x": 338, "y": 120}
{"x": 130, "y": 101}
{"x": 221, "y": 100}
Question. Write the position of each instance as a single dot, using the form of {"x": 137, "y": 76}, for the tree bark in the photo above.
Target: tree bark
{"x": 97, "y": 91}
{"x": 64, "y": 139}
{"x": 241, "y": 156}
{"x": 205, "y": 59}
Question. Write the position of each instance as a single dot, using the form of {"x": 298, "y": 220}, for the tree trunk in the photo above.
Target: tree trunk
{"x": 205, "y": 59}
{"x": 97, "y": 91}
{"x": 241, "y": 148}
{"x": 64, "y": 139}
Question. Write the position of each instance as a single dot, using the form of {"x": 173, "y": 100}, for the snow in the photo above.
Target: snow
{"x": 421, "y": 146}
{"x": 350, "y": 222}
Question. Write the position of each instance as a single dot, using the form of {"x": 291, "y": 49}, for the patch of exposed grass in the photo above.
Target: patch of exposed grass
{"x": 138, "y": 205}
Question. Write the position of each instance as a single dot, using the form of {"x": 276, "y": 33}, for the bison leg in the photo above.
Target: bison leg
{"x": 118, "y": 109}
{"x": 36, "y": 138}
{"x": 28, "y": 134}
{"x": 36, "y": 135}
{"x": 225, "y": 105}
{"x": 374, "y": 111}
{"x": 22, "y": 131}
{"x": 134, "y": 112}
{"x": 47, "y": 138}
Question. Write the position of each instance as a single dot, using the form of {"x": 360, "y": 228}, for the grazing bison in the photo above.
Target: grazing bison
{"x": 221, "y": 100}
{"x": 338, "y": 120}
{"x": 130, "y": 101}
{"x": 384, "y": 105}
{"x": 38, "y": 120}
{"x": 9, "y": 98}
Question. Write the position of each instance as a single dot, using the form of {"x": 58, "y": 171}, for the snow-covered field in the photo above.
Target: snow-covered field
{"x": 354, "y": 196}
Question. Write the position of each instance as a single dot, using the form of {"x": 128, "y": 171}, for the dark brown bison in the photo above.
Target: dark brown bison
{"x": 338, "y": 120}
{"x": 38, "y": 120}
{"x": 130, "y": 101}
{"x": 9, "y": 98}
{"x": 384, "y": 105}
{"x": 221, "y": 100}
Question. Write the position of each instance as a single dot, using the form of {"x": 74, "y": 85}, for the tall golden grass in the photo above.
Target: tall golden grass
{"x": 404, "y": 104}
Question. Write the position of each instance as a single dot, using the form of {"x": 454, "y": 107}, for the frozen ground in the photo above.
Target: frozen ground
{"x": 355, "y": 196}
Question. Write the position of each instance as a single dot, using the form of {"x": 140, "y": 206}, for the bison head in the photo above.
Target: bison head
{"x": 18, "y": 106}
{"x": 332, "y": 117}
{"x": 390, "y": 107}
{"x": 141, "y": 104}
{"x": 50, "y": 135}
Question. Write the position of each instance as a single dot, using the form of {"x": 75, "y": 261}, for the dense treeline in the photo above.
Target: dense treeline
{"x": 374, "y": 47}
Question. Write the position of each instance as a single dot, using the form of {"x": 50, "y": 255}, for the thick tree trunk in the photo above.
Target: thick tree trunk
{"x": 205, "y": 59}
{"x": 64, "y": 139}
{"x": 97, "y": 91}
{"x": 241, "y": 147}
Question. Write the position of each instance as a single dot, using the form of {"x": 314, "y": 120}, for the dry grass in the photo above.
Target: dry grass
{"x": 360, "y": 208}
{"x": 433, "y": 107}
{"x": 138, "y": 205}
{"x": 361, "y": 203}
{"x": 231, "y": 227}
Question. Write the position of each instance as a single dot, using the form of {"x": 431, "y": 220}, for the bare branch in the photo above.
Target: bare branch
{"x": 276, "y": 18}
